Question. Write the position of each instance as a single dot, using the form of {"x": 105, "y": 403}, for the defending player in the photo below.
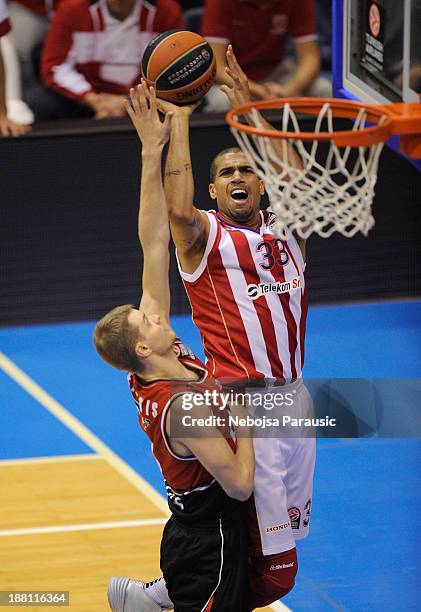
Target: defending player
{"x": 204, "y": 545}
{"x": 224, "y": 257}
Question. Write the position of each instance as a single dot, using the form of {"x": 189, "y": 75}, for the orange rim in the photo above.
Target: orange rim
{"x": 394, "y": 118}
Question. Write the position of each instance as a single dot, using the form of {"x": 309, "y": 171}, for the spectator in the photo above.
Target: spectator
{"x": 30, "y": 21}
{"x": 258, "y": 31}
{"x": 92, "y": 53}
{"x": 7, "y": 127}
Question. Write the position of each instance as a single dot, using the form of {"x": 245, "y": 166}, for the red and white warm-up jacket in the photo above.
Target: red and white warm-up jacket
{"x": 4, "y": 18}
{"x": 89, "y": 50}
{"x": 41, "y": 7}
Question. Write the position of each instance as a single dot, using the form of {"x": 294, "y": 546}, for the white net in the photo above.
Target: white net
{"x": 326, "y": 191}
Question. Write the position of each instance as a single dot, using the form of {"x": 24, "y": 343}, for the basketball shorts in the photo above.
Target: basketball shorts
{"x": 206, "y": 568}
{"x": 278, "y": 513}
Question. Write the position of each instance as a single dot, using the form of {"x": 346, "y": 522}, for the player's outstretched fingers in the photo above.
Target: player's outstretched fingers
{"x": 229, "y": 92}
{"x": 142, "y": 97}
{"x": 144, "y": 88}
{"x": 134, "y": 100}
{"x": 152, "y": 99}
{"x": 129, "y": 110}
{"x": 232, "y": 60}
{"x": 233, "y": 64}
{"x": 233, "y": 75}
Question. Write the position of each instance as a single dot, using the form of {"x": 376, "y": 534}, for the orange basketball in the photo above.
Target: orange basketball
{"x": 180, "y": 65}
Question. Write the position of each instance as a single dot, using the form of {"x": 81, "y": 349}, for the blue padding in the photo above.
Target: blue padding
{"x": 365, "y": 539}
{"x": 371, "y": 340}
{"x": 28, "y": 430}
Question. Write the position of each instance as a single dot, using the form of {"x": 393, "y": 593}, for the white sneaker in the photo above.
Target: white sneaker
{"x": 19, "y": 112}
{"x": 127, "y": 595}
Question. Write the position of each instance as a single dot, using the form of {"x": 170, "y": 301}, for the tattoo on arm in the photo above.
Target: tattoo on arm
{"x": 198, "y": 225}
{"x": 194, "y": 239}
{"x": 177, "y": 172}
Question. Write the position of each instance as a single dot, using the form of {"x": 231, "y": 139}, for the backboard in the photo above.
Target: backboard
{"x": 376, "y": 49}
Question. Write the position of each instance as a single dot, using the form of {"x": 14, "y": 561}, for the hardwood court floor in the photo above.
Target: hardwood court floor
{"x": 70, "y": 499}
{"x": 70, "y": 523}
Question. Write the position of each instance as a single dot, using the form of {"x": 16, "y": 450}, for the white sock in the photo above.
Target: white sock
{"x": 157, "y": 591}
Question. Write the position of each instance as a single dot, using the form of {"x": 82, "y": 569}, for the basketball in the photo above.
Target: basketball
{"x": 180, "y": 65}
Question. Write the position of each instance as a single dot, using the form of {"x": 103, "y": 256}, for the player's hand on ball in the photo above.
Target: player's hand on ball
{"x": 143, "y": 111}
{"x": 239, "y": 92}
{"x": 169, "y": 107}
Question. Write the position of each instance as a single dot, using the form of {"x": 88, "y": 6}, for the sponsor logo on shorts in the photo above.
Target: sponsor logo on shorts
{"x": 256, "y": 291}
{"x": 277, "y": 527}
{"x": 295, "y": 517}
{"x": 280, "y": 566}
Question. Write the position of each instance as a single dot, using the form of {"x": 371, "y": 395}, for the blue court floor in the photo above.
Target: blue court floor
{"x": 364, "y": 549}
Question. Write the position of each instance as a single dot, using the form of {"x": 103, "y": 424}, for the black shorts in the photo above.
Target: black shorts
{"x": 206, "y": 568}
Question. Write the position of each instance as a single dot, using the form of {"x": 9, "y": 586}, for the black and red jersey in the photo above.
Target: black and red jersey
{"x": 192, "y": 491}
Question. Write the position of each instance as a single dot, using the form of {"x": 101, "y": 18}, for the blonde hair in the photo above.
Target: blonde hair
{"x": 115, "y": 339}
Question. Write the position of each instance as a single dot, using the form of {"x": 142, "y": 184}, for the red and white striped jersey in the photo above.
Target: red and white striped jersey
{"x": 4, "y": 18}
{"x": 89, "y": 50}
{"x": 249, "y": 301}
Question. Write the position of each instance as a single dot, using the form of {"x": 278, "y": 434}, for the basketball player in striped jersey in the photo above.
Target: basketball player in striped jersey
{"x": 204, "y": 555}
{"x": 248, "y": 297}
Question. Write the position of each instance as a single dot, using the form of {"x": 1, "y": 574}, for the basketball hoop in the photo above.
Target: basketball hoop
{"x": 316, "y": 188}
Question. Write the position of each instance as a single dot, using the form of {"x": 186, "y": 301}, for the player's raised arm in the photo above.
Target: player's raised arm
{"x": 189, "y": 226}
{"x": 154, "y": 233}
{"x": 239, "y": 93}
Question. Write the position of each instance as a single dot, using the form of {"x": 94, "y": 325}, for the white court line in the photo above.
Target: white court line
{"x": 50, "y": 459}
{"x": 80, "y": 430}
{"x": 278, "y": 606}
{"x": 83, "y": 527}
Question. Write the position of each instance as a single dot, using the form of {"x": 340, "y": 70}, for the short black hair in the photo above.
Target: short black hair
{"x": 212, "y": 172}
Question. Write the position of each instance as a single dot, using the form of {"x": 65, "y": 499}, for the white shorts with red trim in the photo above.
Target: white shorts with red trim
{"x": 279, "y": 511}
